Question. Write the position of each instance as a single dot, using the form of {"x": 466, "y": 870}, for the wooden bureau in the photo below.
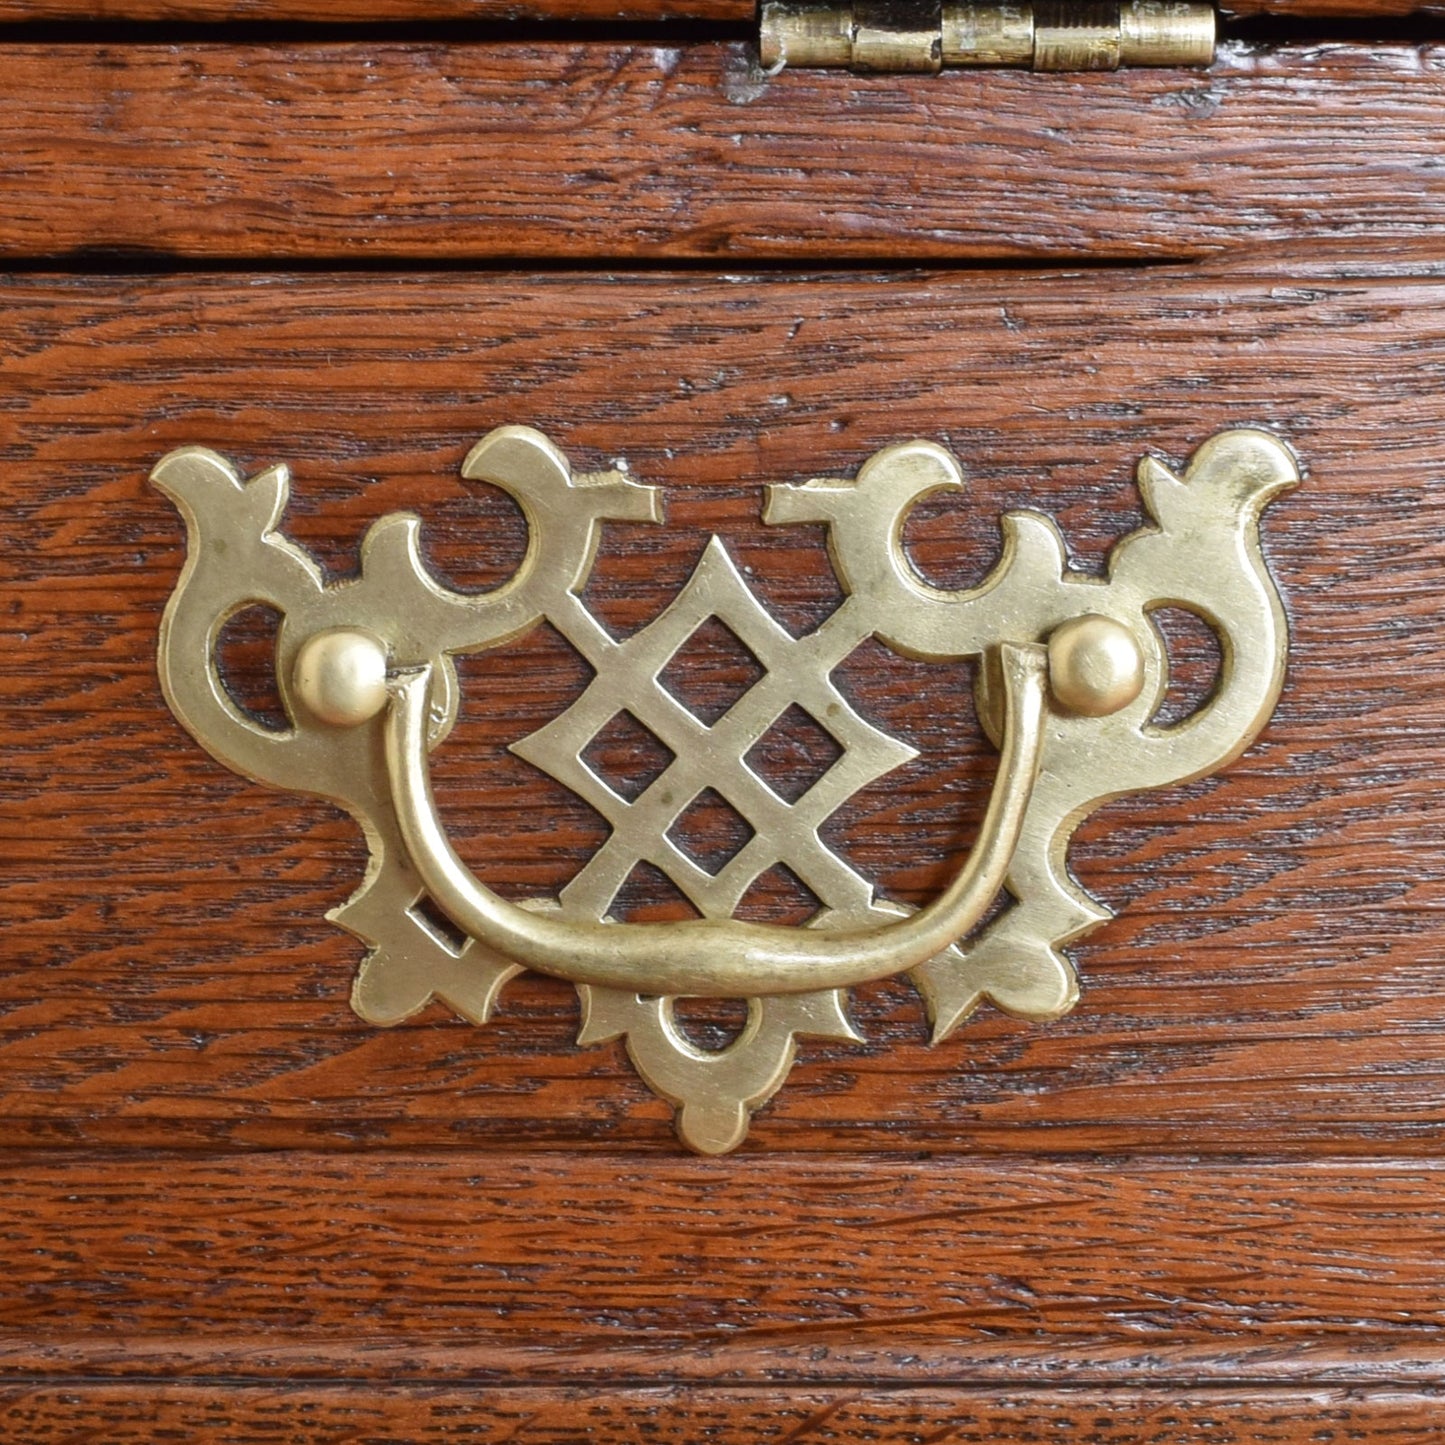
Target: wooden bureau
{"x": 1208, "y": 1205}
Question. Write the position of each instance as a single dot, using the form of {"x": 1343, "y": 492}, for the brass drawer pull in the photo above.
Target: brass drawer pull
{"x": 711, "y": 957}
{"x": 1073, "y": 673}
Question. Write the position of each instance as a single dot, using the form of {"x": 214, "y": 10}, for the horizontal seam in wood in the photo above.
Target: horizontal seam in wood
{"x": 890, "y": 1385}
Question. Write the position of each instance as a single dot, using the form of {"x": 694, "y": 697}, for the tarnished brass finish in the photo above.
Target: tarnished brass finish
{"x": 1166, "y": 32}
{"x": 1073, "y": 36}
{"x": 897, "y": 35}
{"x": 1001, "y": 35}
{"x": 1072, "y": 674}
{"x": 806, "y": 37}
{"x": 1047, "y": 35}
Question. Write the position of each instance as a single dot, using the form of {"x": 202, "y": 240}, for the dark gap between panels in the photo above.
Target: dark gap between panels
{"x": 559, "y": 31}
{"x": 100, "y": 263}
{"x": 1265, "y": 32}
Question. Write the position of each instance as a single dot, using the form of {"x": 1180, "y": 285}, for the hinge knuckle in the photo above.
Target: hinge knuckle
{"x": 924, "y": 35}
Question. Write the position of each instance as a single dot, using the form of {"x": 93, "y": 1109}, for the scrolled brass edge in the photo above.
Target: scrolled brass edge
{"x": 364, "y": 669}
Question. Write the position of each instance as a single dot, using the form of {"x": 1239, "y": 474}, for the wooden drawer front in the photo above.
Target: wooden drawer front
{"x": 377, "y": 150}
{"x": 500, "y": 1219}
{"x": 1266, "y": 986}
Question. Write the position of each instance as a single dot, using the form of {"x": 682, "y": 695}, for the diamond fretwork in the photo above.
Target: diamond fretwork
{"x": 711, "y": 831}
{"x": 1196, "y": 557}
{"x": 794, "y": 677}
{"x": 779, "y": 896}
{"x": 648, "y": 895}
{"x": 794, "y": 754}
{"x": 626, "y": 756}
{"x": 711, "y": 671}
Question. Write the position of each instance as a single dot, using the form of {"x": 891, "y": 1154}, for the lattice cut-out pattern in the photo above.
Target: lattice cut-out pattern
{"x": 794, "y": 754}
{"x": 626, "y": 756}
{"x": 711, "y": 670}
{"x": 795, "y": 674}
{"x": 793, "y": 680}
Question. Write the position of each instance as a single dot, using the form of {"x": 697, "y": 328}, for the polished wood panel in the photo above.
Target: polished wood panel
{"x": 53, "y": 1414}
{"x": 1272, "y": 981}
{"x": 593, "y": 151}
{"x": 532, "y": 1269}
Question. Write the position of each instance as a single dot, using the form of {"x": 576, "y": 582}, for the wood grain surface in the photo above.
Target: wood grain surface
{"x": 423, "y": 1415}
{"x": 1206, "y": 1209}
{"x": 1271, "y": 982}
{"x": 742, "y": 13}
{"x": 243, "y": 1416}
{"x": 598, "y": 151}
{"x": 525, "y": 1268}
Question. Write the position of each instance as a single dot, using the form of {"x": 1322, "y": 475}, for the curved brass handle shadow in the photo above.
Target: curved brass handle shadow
{"x": 719, "y": 958}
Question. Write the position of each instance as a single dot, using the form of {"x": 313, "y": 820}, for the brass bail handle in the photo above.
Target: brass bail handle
{"x": 719, "y": 958}
{"x": 343, "y": 679}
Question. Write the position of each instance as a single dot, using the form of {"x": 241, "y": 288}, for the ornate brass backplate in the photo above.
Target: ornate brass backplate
{"x": 1073, "y": 670}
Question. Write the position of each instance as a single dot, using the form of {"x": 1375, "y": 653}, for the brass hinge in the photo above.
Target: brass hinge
{"x": 927, "y": 35}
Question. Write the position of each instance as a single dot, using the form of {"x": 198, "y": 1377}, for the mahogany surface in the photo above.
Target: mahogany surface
{"x": 504, "y": 1269}
{"x": 1271, "y": 982}
{"x": 382, "y": 149}
{"x": 429, "y": 1414}
{"x": 1205, "y": 1209}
